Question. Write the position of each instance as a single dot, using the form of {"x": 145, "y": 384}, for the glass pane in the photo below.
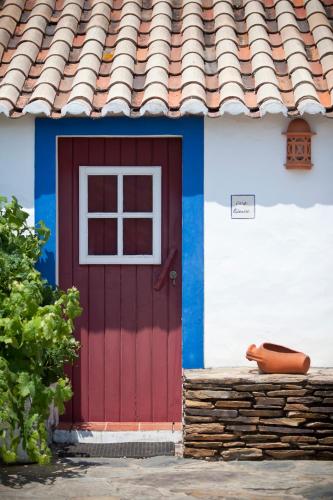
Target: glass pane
{"x": 102, "y": 193}
{"x": 138, "y": 236}
{"x": 138, "y": 193}
{"x": 102, "y": 237}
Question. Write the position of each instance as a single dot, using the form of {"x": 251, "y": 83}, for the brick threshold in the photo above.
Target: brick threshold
{"x": 120, "y": 426}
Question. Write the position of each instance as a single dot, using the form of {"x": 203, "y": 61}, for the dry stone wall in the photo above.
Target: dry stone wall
{"x": 239, "y": 414}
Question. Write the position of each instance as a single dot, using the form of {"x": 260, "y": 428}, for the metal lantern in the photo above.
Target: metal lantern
{"x": 299, "y": 145}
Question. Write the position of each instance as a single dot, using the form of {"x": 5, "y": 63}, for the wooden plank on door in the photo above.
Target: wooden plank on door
{"x": 65, "y": 195}
{"x": 81, "y": 281}
{"x": 96, "y": 315}
{"x": 174, "y": 336}
{"x": 128, "y": 299}
{"x": 160, "y": 298}
{"x": 112, "y": 353}
{"x": 144, "y": 312}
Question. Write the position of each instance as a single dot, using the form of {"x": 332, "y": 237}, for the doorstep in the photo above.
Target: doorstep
{"x": 115, "y": 450}
{"x": 241, "y": 414}
{"x": 118, "y": 432}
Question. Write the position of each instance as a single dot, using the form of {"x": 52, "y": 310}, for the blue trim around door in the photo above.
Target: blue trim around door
{"x": 192, "y": 131}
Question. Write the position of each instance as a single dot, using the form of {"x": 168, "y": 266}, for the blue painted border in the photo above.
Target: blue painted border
{"x": 192, "y": 131}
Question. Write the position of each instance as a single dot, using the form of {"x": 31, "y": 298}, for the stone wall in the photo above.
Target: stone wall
{"x": 239, "y": 414}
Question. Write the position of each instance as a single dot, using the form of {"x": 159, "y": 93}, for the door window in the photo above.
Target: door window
{"x": 120, "y": 215}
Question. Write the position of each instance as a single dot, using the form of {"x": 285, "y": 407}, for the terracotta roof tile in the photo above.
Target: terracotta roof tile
{"x": 173, "y": 57}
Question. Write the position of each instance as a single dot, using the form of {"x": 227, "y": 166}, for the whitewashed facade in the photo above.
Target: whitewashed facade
{"x": 17, "y": 168}
{"x": 267, "y": 278}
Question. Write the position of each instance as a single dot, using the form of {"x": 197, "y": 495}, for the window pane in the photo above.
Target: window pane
{"x": 138, "y": 236}
{"x": 102, "y": 236}
{"x": 138, "y": 193}
{"x": 102, "y": 193}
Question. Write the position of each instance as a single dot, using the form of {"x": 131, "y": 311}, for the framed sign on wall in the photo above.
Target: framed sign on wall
{"x": 243, "y": 206}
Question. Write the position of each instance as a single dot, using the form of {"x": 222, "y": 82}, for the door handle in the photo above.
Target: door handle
{"x": 163, "y": 274}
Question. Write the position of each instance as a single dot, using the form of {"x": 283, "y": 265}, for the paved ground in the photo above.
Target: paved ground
{"x": 168, "y": 477}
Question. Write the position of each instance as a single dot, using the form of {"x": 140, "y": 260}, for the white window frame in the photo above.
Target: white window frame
{"x": 120, "y": 215}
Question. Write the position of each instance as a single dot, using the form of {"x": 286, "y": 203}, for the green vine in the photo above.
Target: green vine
{"x": 36, "y": 341}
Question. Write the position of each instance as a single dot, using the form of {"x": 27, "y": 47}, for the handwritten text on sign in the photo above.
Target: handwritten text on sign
{"x": 242, "y": 206}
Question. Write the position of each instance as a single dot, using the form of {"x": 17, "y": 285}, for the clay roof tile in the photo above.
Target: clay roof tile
{"x": 169, "y": 57}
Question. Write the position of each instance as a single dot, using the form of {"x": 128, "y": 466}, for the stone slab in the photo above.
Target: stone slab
{"x": 168, "y": 477}
{"x": 244, "y": 375}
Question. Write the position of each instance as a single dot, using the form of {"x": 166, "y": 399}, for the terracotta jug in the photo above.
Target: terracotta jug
{"x": 272, "y": 358}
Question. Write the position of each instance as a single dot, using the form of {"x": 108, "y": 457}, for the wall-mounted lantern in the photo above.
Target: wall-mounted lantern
{"x": 299, "y": 145}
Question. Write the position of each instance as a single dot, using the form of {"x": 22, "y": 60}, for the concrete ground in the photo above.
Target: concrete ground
{"x": 167, "y": 477}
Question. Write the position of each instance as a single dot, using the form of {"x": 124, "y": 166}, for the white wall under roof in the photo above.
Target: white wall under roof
{"x": 17, "y": 146}
{"x": 271, "y": 278}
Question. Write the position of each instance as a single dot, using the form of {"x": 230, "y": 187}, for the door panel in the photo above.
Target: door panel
{"x": 112, "y": 315}
{"x": 145, "y": 275}
{"x": 130, "y": 360}
{"x": 65, "y": 214}
{"x": 160, "y": 300}
{"x": 80, "y": 148}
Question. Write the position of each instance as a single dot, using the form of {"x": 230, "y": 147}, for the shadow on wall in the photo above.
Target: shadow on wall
{"x": 247, "y": 156}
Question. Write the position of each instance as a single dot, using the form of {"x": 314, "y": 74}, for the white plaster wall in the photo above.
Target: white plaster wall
{"x": 271, "y": 278}
{"x": 17, "y": 145}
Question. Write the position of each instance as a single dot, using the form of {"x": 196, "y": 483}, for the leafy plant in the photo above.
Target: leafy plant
{"x": 36, "y": 341}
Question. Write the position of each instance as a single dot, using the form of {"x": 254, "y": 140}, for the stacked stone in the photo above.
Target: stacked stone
{"x": 238, "y": 414}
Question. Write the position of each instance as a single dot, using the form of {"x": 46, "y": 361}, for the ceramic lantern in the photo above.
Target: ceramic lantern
{"x": 299, "y": 145}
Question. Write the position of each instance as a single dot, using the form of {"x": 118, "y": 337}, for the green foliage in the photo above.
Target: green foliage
{"x": 36, "y": 341}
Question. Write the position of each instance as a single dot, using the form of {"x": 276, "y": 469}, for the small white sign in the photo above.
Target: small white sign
{"x": 242, "y": 206}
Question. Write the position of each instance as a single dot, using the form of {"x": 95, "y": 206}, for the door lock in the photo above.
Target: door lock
{"x": 173, "y": 277}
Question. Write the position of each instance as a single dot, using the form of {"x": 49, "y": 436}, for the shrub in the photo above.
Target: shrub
{"x": 36, "y": 341}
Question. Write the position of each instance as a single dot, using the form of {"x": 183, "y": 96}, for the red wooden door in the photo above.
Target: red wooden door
{"x": 130, "y": 361}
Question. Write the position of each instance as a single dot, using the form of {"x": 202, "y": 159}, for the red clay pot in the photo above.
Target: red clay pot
{"x": 272, "y": 358}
